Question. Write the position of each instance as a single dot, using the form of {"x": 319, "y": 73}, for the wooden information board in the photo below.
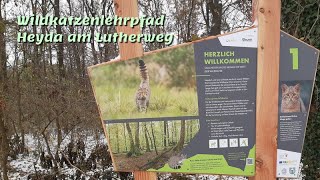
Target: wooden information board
{"x": 198, "y": 110}
{"x": 298, "y": 66}
{"x": 189, "y": 108}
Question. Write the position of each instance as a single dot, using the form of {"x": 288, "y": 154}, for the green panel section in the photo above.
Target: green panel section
{"x": 211, "y": 164}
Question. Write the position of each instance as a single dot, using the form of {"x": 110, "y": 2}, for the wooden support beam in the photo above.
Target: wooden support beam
{"x": 268, "y": 14}
{"x": 125, "y": 8}
{"x": 142, "y": 175}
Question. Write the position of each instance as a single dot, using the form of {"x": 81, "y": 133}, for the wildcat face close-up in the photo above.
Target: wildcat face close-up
{"x": 291, "y": 100}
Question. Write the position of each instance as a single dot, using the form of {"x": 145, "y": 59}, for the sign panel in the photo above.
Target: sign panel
{"x": 185, "y": 109}
{"x": 298, "y": 66}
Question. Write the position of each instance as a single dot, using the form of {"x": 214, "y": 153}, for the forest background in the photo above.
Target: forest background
{"x": 46, "y": 97}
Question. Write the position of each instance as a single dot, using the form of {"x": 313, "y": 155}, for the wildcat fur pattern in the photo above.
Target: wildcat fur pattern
{"x": 291, "y": 100}
{"x": 143, "y": 94}
{"x": 175, "y": 162}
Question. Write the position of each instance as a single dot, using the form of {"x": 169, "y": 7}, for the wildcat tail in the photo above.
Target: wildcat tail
{"x": 143, "y": 71}
{"x": 141, "y": 63}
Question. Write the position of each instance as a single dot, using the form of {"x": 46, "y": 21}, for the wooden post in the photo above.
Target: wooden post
{"x": 142, "y": 175}
{"x": 268, "y": 14}
{"x": 125, "y": 8}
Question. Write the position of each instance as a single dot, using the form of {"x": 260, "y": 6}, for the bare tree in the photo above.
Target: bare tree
{"x": 4, "y": 140}
{"x": 146, "y": 137}
{"x": 62, "y": 73}
{"x": 180, "y": 143}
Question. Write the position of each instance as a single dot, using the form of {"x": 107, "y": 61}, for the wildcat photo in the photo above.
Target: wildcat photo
{"x": 294, "y": 96}
{"x": 150, "y": 144}
{"x": 157, "y": 85}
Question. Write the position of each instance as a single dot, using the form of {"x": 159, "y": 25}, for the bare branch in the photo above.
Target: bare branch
{"x": 77, "y": 167}
{"x": 315, "y": 22}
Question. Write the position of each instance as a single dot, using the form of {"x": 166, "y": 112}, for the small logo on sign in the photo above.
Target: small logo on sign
{"x": 246, "y": 40}
{"x": 223, "y": 143}
{"x": 292, "y": 170}
{"x": 233, "y": 142}
{"x": 249, "y": 161}
{"x": 243, "y": 142}
{"x": 230, "y": 40}
{"x": 213, "y": 143}
{"x": 284, "y": 156}
{"x": 284, "y": 171}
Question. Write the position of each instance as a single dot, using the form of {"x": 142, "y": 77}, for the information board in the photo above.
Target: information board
{"x": 190, "y": 108}
{"x": 298, "y": 66}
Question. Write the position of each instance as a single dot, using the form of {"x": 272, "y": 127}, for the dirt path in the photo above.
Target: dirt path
{"x": 133, "y": 163}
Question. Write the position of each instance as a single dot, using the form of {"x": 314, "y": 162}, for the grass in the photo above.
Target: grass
{"x": 173, "y": 87}
{"x": 119, "y": 103}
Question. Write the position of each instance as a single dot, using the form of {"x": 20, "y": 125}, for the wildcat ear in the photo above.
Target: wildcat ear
{"x": 284, "y": 88}
{"x": 297, "y": 87}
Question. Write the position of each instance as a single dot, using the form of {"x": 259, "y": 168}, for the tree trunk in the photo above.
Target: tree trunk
{"x": 19, "y": 106}
{"x": 137, "y": 140}
{"x": 165, "y": 134}
{"x": 83, "y": 50}
{"x": 35, "y": 57}
{"x": 150, "y": 139}
{"x": 48, "y": 148}
{"x": 175, "y": 132}
{"x": 62, "y": 73}
{"x": 188, "y": 35}
{"x": 75, "y": 46}
{"x": 216, "y": 10}
{"x": 59, "y": 133}
{"x": 125, "y": 139}
{"x": 93, "y": 49}
{"x": 131, "y": 152}
{"x": 172, "y": 132}
{"x": 154, "y": 139}
{"x": 50, "y": 58}
{"x": 43, "y": 31}
{"x": 117, "y": 138}
{"x": 168, "y": 134}
{"x": 205, "y": 15}
{"x": 146, "y": 137}
{"x": 180, "y": 144}
{"x": 20, "y": 116}
{"x": 4, "y": 142}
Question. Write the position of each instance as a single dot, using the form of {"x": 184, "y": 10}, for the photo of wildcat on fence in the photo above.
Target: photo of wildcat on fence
{"x": 294, "y": 96}
{"x": 156, "y": 85}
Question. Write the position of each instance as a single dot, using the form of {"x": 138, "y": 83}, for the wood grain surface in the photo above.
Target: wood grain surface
{"x": 128, "y": 8}
{"x": 268, "y": 13}
{"x": 267, "y": 81}
{"x": 125, "y": 8}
